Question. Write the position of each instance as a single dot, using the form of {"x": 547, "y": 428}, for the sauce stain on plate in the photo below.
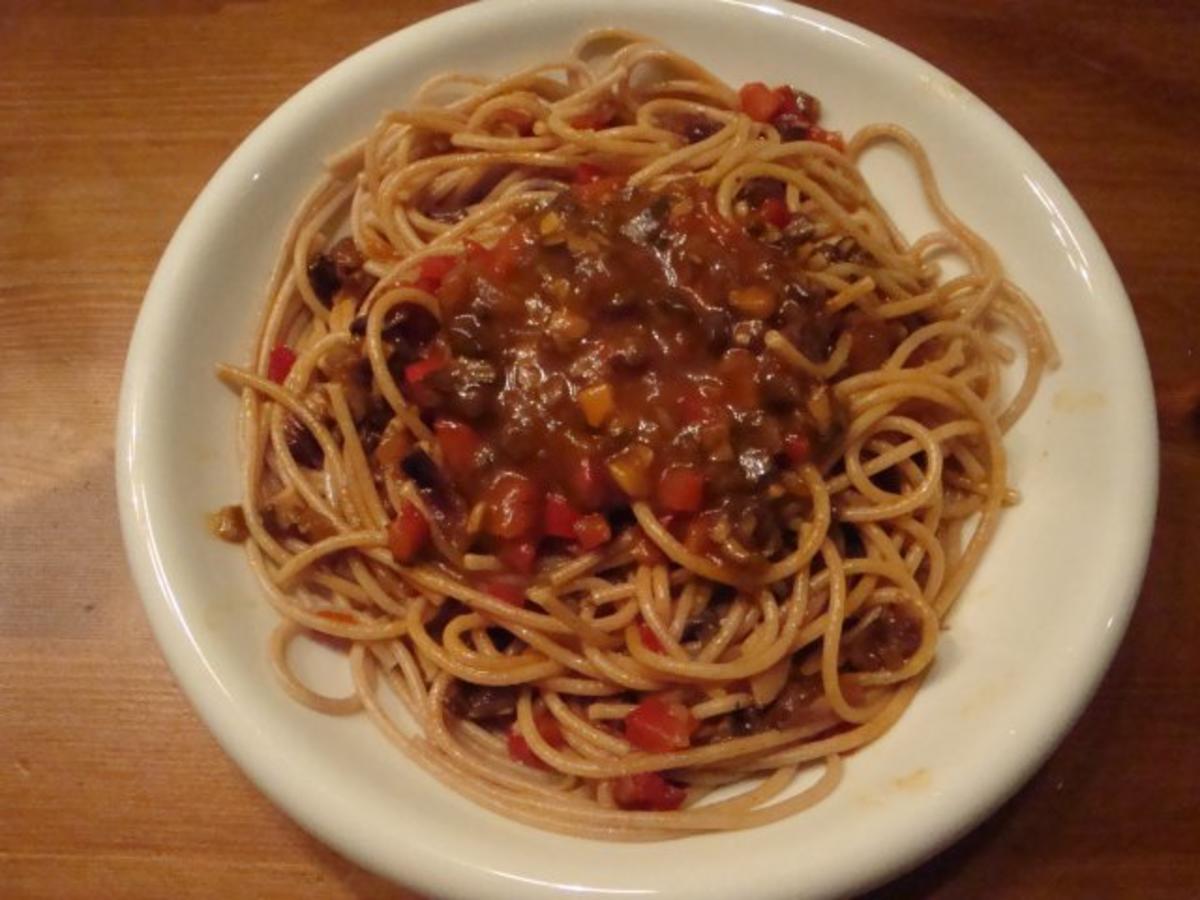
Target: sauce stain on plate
{"x": 1073, "y": 400}
{"x": 916, "y": 780}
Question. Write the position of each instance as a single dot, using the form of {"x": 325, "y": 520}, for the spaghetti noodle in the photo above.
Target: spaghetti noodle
{"x": 606, "y": 420}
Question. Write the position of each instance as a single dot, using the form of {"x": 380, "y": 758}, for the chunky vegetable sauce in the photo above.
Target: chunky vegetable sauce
{"x": 609, "y": 348}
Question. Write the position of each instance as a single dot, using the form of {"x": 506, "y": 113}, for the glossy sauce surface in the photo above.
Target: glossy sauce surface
{"x": 610, "y": 348}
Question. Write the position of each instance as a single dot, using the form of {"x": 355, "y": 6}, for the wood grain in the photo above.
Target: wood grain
{"x": 115, "y": 114}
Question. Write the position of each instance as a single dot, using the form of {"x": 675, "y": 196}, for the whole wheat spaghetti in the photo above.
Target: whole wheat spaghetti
{"x": 604, "y": 418}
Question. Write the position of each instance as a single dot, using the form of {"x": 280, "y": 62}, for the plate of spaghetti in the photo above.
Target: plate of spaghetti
{"x": 645, "y": 447}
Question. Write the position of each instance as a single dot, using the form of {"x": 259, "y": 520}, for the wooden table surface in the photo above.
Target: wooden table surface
{"x": 112, "y": 117}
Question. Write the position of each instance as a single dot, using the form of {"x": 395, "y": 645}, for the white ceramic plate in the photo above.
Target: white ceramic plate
{"x": 1026, "y": 647}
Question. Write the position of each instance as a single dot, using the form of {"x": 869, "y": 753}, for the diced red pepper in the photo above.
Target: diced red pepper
{"x": 681, "y": 489}
{"x": 759, "y": 102}
{"x": 593, "y": 531}
{"x": 514, "y": 506}
{"x": 519, "y": 556}
{"x": 787, "y": 100}
{"x": 775, "y": 212}
{"x": 647, "y": 791}
{"x": 519, "y": 750}
{"x": 797, "y": 448}
{"x": 657, "y": 726}
{"x": 548, "y": 728}
{"x": 649, "y": 638}
{"x": 506, "y": 589}
{"x": 832, "y": 138}
{"x": 460, "y": 445}
{"x": 415, "y": 373}
{"x": 435, "y": 268}
{"x": 560, "y": 517}
{"x": 280, "y": 363}
{"x": 408, "y": 533}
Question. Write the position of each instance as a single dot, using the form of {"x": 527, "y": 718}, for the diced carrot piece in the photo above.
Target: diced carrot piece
{"x": 598, "y": 403}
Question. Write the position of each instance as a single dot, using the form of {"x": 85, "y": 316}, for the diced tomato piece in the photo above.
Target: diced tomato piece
{"x": 436, "y": 268}
{"x": 832, "y": 138}
{"x": 775, "y": 212}
{"x": 506, "y": 588}
{"x": 660, "y": 727}
{"x": 587, "y": 482}
{"x": 280, "y": 363}
{"x": 560, "y": 517}
{"x": 520, "y": 556}
{"x": 647, "y": 791}
{"x": 649, "y": 638}
{"x": 593, "y": 531}
{"x": 460, "y": 445}
{"x": 759, "y": 102}
{"x": 408, "y": 533}
{"x": 514, "y": 506}
{"x": 681, "y": 489}
{"x": 787, "y": 100}
{"x": 586, "y": 173}
{"x": 415, "y": 373}
{"x": 797, "y": 448}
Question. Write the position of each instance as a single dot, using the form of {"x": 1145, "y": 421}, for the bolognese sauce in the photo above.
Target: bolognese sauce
{"x": 610, "y": 348}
